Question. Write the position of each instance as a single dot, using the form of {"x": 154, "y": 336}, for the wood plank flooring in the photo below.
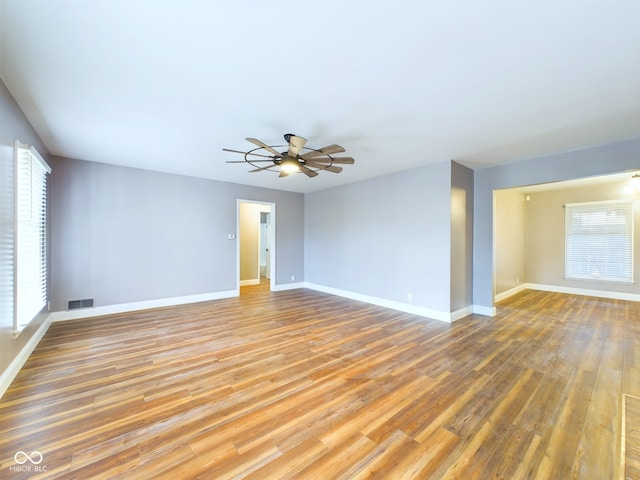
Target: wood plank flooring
{"x": 301, "y": 384}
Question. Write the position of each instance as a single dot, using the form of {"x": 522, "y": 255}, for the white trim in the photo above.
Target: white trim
{"x": 382, "y": 302}
{"x": 272, "y": 246}
{"x": 633, "y": 297}
{"x": 10, "y": 373}
{"x": 486, "y": 311}
{"x": 143, "y": 305}
{"x": 17, "y": 144}
{"x": 598, "y": 202}
{"x": 288, "y": 286}
{"x": 253, "y": 281}
{"x": 510, "y": 292}
{"x": 461, "y": 313}
{"x": 38, "y": 157}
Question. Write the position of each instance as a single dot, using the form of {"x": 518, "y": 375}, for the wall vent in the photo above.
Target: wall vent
{"x": 85, "y": 303}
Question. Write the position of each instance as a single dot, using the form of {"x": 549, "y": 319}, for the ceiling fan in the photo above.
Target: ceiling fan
{"x": 296, "y": 158}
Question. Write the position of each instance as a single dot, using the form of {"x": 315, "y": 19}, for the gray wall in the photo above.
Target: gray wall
{"x": 13, "y": 125}
{"x": 385, "y": 237}
{"x": 612, "y": 158}
{"x": 461, "y": 236}
{"x": 123, "y": 235}
{"x": 545, "y": 237}
{"x": 510, "y": 227}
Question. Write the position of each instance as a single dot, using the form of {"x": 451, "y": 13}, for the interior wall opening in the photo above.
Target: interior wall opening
{"x": 529, "y": 234}
{"x": 256, "y": 246}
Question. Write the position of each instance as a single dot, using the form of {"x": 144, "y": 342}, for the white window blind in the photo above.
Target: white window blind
{"x": 599, "y": 241}
{"x": 30, "y": 234}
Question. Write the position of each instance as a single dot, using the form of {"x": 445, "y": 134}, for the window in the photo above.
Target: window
{"x": 30, "y": 235}
{"x": 599, "y": 241}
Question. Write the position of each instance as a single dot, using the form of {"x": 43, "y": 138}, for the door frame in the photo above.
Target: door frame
{"x": 272, "y": 240}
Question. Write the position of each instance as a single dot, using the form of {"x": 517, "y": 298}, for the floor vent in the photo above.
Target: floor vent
{"x": 630, "y": 437}
{"x": 85, "y": 303}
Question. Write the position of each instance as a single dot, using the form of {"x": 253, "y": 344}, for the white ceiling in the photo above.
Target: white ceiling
{"x": 165, "y": 85}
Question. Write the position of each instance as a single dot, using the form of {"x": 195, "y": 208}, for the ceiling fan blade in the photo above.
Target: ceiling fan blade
{"x": 308, "y": 172}
{"x": 247, "y": 153}
{"x": 251, "y": 161}
{"x": 260, "y": 169}
{"x": 341, "y": 160}
{"x": 328, "y": 150}
{"x": 329, "y": 168}
{"x": 257, "y": 142}
{"x": 295, "y": 145}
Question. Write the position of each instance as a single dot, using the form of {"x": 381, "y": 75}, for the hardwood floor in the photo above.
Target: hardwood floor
{"x": 301, "y": 384}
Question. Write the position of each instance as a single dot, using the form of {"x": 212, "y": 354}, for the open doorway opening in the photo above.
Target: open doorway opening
{"x": 256, "y": 246}
{"x": 265, "y": 245}
{"x": 530, "y": 234}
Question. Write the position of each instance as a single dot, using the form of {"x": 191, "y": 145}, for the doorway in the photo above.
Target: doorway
{"x": 265, "y": 245}
{"x": 256, "y": 244}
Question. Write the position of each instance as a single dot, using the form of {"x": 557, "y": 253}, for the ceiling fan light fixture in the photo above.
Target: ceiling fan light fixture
{"x": 290, "y": 165}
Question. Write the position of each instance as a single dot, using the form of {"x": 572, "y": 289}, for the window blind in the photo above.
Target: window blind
{"x": 599, "y": 241}
{"x": 30, "y": 234}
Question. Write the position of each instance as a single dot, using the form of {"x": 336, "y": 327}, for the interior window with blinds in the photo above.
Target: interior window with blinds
{"x": 30, "y": 235}
{"x": 599, "y": 241}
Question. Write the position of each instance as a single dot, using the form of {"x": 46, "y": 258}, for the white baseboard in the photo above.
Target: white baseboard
{"x": 288, "y": 286}
{"x": 511, "y": 292}
{"x": 634, "y": 297}
{"x": 143, "y": 305}
{"x": 382, "y": 302}
{"x": 18, "y": 362}
{"x": 253, "y": 281}
{"x": 461, "y": 313}
{"x": 486, "y": 311}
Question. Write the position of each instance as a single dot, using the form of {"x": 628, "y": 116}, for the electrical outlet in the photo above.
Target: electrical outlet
{"x": 293, "y": 278}
{"x": 410, "y": 297}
